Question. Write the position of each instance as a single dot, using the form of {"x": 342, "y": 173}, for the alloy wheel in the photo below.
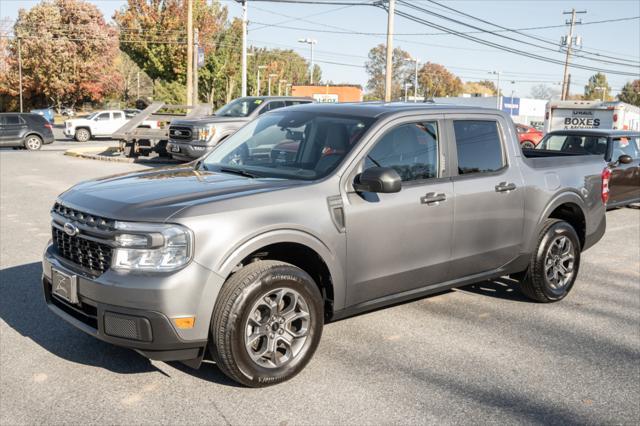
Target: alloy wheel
{"x": 559, "y": 262}
{"x": 277, "y": 328}
{"x": 33, "y": 143}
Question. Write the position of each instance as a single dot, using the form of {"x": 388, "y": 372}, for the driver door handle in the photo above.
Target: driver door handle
{"x": 504, "y": 187}
{"x": 432, "y": 198}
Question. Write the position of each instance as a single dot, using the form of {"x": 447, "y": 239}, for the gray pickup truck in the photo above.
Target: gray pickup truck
{"x": 310, "y": 214}
{"x": 191, "y": 139}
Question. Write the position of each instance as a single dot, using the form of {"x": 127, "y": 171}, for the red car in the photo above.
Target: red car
{"x": 528, "y": 136}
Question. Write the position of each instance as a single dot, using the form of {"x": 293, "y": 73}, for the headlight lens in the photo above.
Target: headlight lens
{"x": 205, "y": 133}
{"x": 151, "y": 247}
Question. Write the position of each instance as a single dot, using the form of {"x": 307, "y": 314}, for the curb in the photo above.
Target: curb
{"x": 103, "y": 153}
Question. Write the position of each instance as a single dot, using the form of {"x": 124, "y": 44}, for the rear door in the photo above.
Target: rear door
{"x": 624, "y": 184}
{"x": 13, "y": 129}
{"x": 488, "y": 195}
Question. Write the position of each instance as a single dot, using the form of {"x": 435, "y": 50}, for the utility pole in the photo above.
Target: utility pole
{"x": 569, "y": 41}
{"x": 280, "y": 86}
{"x": 20, "y": 71}
{"x": 498, "y": 103}
{"x": 269, "y": 88}
{"x": 406, "y": 88}
{"x": 260, "y": 67}
{"x": 138, "y": 85}
{"x": 415, "y": 83}
{"x": 196, "y": 55}
{"x": 286, "y": 90}
{"x": 244, "y": 47}
{"x": 389, "y": 67}
{"x": 310, "y": 42}
{"x": 189, "y": 52}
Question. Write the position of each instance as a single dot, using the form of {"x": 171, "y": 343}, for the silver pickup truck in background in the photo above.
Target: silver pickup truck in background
{"x": 192, "y": 138}
{"x": 310, "y": 214}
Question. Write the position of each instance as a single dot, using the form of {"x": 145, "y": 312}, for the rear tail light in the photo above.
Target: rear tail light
{"x": 48, "y": 126}
{"x": 606, "y": 175}
{"x": 615, "y": 117}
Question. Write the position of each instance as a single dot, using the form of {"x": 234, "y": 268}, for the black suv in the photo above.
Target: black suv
{"x": 25, "y": 130}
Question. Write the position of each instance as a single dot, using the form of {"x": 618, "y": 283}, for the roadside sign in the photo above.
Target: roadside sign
{"x": 325, "y": 98}
{"x": 511, "y": 105}
{"x": 200, "y": 57}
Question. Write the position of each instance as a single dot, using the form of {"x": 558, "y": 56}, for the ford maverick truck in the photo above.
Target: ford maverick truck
{"x": 310, "y": 214}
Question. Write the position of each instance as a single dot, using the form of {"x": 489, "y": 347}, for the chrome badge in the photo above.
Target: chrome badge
{"x": 70, "y": 229}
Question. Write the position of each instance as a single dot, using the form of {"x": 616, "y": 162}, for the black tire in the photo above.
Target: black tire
{"x": 82, "y": 135}
{"x": 248, "y": 287}
{"x": 33, "y": 142}
{"x": 131, "y": 150}
{"x": 527, "y": 145}
{"x": 537, "y": 282}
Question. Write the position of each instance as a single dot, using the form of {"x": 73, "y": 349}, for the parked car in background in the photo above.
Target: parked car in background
{"x": 47, "y": 113}
{"x": 620, "y": 148}
{"x": 99, "y": 124}
{"x": 310, "y": 214}
{"x": 528, "y": 136}
{"x": 68, "y": 112}
{"x": 30, "y": 131}
{"x": 567, "y": 115}
{"x": 190, "y": 139}
{"x": 131, "y": 112}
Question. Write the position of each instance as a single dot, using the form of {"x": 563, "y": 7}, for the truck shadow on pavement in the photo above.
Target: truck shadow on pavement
{"x": 501, "y": 288}
{"x": 23, "y": 308}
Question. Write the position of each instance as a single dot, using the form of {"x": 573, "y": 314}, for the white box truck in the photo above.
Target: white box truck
{"x": 563, "y": 115}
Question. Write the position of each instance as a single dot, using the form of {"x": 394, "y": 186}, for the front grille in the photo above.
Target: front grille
{"x": 180, "y": 132}
{"x": 97, "y": 222}
{"x": 91, "y": 255}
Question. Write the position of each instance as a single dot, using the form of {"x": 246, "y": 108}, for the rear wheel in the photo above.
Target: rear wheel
{"x": 82, "y": 135}
{"x": 554, "y": 265}
{"x": 266, "y": 324}
{"x": 33, "y": 143}
{"x": 528, "y": 145}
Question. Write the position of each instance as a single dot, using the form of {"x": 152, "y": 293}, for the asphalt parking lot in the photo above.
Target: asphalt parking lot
{"x": 481, "y": 354}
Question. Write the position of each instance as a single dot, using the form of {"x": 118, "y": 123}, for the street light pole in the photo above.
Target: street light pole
{"x": 498, "y": 104}
{"x": 270, "y": 77}
{"x": 260, "y": 67}
{"x": 389, "y": 59}
{"x": 415, "y": 83}
{"x": 310, "y": 42}
{"x": 20, "y": 71}
{"x": 189, "y": 52}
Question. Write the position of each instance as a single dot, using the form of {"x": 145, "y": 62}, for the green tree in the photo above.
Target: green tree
{"x": 376, "y": 68}
{"x": 631, "y": 93}
{"x": 435, "y": 80}
{"x": 68, "y": 55}
{"x": 597, "y": 88}
{"x": 153, "y": 34}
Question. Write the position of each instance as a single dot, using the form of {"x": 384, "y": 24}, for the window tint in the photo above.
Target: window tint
{"x": 626, "y": 146}
{"x": 117, "y": 115}
{"x": 410, "y": 149}
{"x": 478, "y": 145}
{"x": 275, "y": 105}
{"x": 290, "y": 103}
{"x": 103, "y": 117}
{"x": 12, "y": 120}
{"x": 574, "y": 144}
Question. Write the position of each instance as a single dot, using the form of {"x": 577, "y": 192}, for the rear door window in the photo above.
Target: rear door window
{"x": 117, "y": 115}
{"x": 479, "y": 146}
{"x": 574, "y": 144}
{"x": 13, "y": 120}
{"x": 103, "y": 117}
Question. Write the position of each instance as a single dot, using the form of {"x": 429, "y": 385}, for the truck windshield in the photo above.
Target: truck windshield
{"x": 574, "y": 144}
{"x": 288, "y": 145}
{"x": 241, "y": 107}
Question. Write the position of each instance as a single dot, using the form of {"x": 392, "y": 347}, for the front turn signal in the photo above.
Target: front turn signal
{"x": 184, "y": 322}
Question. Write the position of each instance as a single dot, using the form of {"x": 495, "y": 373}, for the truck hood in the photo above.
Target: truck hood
{"x": 77, "y": 121}
{"x": 155, "y": 195}
{"x": 212, "y": 119}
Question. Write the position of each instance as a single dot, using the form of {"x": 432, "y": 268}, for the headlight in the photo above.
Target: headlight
{"x": 151, "y": 247}
{"x": 206, "y": 133}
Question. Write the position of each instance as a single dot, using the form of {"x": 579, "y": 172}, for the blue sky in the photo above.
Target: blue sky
{"x": 342, "y": 56}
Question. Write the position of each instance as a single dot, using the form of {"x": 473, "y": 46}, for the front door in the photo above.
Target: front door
{"x": 402, "y": 241}
{"x": 102, "y": 124}
{"x": 489, "y": 197}
{"x": 624, "y": 184}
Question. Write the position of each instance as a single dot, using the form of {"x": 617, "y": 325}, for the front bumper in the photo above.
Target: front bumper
{"x": 135, "y": 310}
{"x": 188, "y": 150}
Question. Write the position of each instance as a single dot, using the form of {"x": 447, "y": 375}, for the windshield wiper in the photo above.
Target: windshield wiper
{"x": 237, "y": 172}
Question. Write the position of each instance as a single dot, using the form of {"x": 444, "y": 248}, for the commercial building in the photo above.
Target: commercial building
{"x": 330, "y": 93}
{"x": 522, "y": 110}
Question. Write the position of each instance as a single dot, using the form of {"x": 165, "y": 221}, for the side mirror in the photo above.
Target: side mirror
{"x": 625, "y": 159}
{"x": 384, "y": 180}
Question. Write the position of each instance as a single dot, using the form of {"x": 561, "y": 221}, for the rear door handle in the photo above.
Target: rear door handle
{"x": 432, "y": 198}
{"x": 504, "y": 187}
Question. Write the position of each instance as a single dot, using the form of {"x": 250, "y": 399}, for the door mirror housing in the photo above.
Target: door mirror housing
{"x": 625, "y": 159}
{"x": 383, "y": 180}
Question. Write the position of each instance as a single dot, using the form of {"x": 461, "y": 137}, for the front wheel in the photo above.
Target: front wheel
{"x": 554, "y": 264}
{"x": 33, "y": 143}
{"x": 527, "y": 145}
{"x": 266, "y": 324}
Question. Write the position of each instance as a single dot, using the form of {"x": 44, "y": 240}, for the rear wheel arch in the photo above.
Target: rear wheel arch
{"x": 567, "y": 207}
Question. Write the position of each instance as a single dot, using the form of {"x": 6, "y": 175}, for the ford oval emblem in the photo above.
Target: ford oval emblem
{"x": 70, "y": 229}
{"x": 177, "y": 132}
